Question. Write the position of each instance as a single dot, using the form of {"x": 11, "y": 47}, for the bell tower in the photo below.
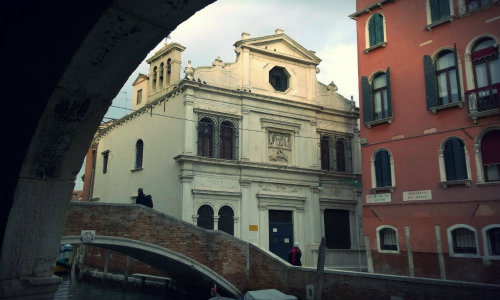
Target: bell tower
{"x": 164, "y": 70}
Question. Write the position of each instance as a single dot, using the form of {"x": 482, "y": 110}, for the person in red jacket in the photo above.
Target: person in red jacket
{"x": 294, "y": 255}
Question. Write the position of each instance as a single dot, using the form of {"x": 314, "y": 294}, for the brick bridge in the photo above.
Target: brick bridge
{"x": 191, "y": 254}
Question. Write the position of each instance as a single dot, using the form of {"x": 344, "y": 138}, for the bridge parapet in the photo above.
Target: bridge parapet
{"x": 217, "y": 251}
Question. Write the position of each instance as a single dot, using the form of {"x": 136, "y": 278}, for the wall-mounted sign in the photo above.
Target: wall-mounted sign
{"x": 417, "y": 195}
{"x": 378, "y": 198}
{"x": 253, "y": 227}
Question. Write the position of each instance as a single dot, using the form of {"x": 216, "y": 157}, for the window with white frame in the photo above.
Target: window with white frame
{"x": 442, "y": 83}
{"x": 439, "y": 9}
{"x": 376, "y": 29}
{"x": 454, "y": 159}
{"x": 454, "y": 165}
{"x": 462, "y": 241}
{"x": 382, "y": 169}
{"x": 377, "y": 107}
{"x": 491, "y": 240}
{"x": 387, "y": 239}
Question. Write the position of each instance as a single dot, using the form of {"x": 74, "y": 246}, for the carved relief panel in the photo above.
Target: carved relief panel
{"x": 279, "y": 147}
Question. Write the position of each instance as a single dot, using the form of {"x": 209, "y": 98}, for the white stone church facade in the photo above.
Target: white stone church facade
{"x": 257, "y": 148}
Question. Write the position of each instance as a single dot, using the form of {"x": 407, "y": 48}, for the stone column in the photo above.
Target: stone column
{"x": 250, "y": 217}
{"x": 314, "y": 145}
{"x": 187, "y": 197}
{"x": 190, "y": 124}
{"x": 245, "y": 135}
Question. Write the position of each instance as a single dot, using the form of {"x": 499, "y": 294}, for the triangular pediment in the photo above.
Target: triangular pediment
{"x": 279, "y": 45}
{"x": 140, "y": 78}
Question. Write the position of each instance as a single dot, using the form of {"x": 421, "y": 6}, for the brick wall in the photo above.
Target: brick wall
{"x": 228, "y": 256}
{"x": 427, "y": 265}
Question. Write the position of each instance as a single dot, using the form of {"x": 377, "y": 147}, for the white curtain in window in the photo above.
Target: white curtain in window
{"x": 389, "y": 237}
{"x": 465, "y": 238}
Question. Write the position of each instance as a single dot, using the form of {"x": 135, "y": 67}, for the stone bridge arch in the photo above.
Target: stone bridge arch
{"x": 183, "y": 269}
{"x": 214, "y": 256}
{"x": 64, "y": 63}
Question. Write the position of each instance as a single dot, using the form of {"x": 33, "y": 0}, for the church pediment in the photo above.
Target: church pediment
{"x": 279, "y": 44}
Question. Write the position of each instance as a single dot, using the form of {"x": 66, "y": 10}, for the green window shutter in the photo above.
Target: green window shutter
{"x": 389, "y": 103}
{"x": 371, "y": 31}
{"x": 457, "y": 72}
{"x": 430, "y": 82}
{"x": 444, "y": 8}
{"x": 459, "y": 155}
{"x": 366, "y": 91}
{"x": 435, "y": 15}
{"x": 378, "y": 169}
{"x": 379, "y": 28}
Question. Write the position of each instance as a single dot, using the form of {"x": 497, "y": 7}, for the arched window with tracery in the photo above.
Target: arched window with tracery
{"x": 226, "y": 140}
{"x": 206, "y": 137}
{"x": 205, "y": 217}
{"x": 226, "y": 219}
{"x": 139, "y": 151}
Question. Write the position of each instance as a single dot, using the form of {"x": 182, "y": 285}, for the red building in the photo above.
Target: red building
{"x": 429, "y": 77}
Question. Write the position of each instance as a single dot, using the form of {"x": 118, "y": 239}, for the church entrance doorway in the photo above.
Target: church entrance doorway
{"x": 280, "y": 232}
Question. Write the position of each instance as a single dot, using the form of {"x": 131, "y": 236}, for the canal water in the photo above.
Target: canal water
{"x": 88, "y": 290}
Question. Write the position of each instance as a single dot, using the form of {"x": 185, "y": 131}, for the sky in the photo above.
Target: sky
{"x": 319, "y": 25}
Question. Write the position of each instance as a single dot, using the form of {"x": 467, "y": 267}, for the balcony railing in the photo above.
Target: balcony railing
{"x": 483, "y": 101}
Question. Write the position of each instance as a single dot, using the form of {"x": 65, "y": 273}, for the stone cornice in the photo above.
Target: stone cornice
{"x": 368, "y": 9}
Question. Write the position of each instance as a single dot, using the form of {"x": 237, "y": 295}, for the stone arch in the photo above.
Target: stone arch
{"x": 167, "y": 260}
{"x": 66, "y": 105}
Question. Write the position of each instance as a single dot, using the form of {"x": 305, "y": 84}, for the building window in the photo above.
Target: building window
{"x": 439, "y": 9}
{"x": 336, "y": 154}
{"x": 471, "y": 5}
{"x": 226, "y": 220}
{"x": 278, "y": 78}
{"x": 206, "y": 217}
{"x": 226, "y": 140}
{"x": 139, "y": 146}
{"x": 376, "y": 99}
{"x": 218, "y": 137}
{"x": 139, "y": 97}
{"x": 105, "y": 156}
{"x": 376, "y": 29}
{"x": 387, "y": 239}
{"x": 490, "y": 154}
{"x": 454, "y": 160}
{"x": 205, "y": 137}
{"x": 337, "y": 229}
{"x": 491, "y": 240}
{"x": 442, "y": 83}
{"x": 463, "y": 240}
{"x": 486, "y": 67}
{"x": 383, "y": 168}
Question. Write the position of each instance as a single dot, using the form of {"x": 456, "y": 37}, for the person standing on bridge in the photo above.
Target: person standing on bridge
{"x": 141, "y": 198}
{"x": 294, "y": 255}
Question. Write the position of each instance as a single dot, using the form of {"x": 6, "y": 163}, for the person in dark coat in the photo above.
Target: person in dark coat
{"x": 294, "y": 255}
{"x": 141, "y": 198}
